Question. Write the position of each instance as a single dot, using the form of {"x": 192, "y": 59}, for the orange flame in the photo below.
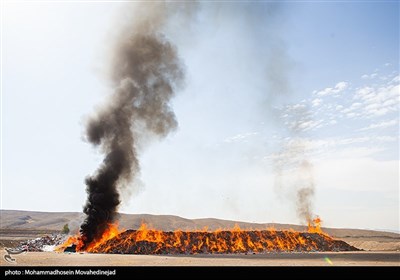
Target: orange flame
{"x": 235, "y": 240}
{"x": 314, "y": 226}
{"x": 111, "y": 232}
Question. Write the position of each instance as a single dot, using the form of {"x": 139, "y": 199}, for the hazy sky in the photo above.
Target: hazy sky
{"x": 261, "y": 78}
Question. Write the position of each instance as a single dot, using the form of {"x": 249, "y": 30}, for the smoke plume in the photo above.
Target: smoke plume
{"x": 305, "y": 192}
{"x": 292, "y": 167}
{"x": 145, "y": 72}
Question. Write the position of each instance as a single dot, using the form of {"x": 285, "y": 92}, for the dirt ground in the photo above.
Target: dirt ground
{"x": 270, "y": 259}
{"x": 380, "y": 251}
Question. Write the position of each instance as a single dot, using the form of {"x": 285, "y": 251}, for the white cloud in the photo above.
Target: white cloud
{"x": 349, "y": 111}
{"x": 370, "y": 77}
{"x": 242, "y": 137}
{"x": 368, "y": 103}
{"x": 305, "y": 124}
{"x": 351, "y": 115}
{"x": 363, "y": 92}
{"x": 321, "y": 150}
{"x": 355, "y": 105}
{"x": 310, "y": 124}
{"x": 376, "y": 101}
{"x": 331, "y": 144}
{"x": 387, "y": 98}
{"x": 383, "y": 124}
{"x": 396, "y": 79}
{"x": 295, "y": 107}
{"x": 316, "y": 102}
{"x": 339, "y": 87}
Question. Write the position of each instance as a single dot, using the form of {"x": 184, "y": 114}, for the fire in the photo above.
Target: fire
{"x": 236, "y": 240}
{"x": 72, "y": 240}
{"x": 111, "y": 232}
{"x": 151, "y": 241}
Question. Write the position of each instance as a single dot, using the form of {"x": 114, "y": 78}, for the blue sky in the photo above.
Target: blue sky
{"x": 266, "y": 83}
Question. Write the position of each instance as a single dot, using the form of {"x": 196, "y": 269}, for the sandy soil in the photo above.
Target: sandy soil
{"x": 271, "y": 259}
{"x": 383, "y": 248}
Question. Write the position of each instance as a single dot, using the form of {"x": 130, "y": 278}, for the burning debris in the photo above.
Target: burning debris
{"x": 223, "y": 242}
{"x": 148, "y": 241}
{"x": 151, "y": 241}
{"x": 70, "y": 249}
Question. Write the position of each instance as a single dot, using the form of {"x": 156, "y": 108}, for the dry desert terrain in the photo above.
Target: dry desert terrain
{"x": 381, "y": 248}
{"x": 270, "y": 259}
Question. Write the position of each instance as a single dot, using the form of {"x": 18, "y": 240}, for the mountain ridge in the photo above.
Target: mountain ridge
{"x": 54, "y": 221}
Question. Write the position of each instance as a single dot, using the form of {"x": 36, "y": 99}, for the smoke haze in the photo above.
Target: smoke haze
{"x": 292, "y": 167}
{"x": 145, "y": 72}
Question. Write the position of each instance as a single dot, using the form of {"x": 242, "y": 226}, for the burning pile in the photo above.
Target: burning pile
{"x": 235, "y": 241}
{"x": 148, "y": 241}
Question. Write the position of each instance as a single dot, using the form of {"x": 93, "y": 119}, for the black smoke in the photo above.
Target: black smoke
{"x": 145, "y": 71}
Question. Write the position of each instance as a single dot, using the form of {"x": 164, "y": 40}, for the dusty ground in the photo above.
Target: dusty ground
{"x": 374, "y": 256}
{"x": 374, "y": 244}
{"x": 10, "y": 239}
{"x": 271, "y": 259}
{"x": 382, "y": 248}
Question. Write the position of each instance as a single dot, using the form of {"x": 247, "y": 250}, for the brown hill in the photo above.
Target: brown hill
{"x": 18, "y": 222}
